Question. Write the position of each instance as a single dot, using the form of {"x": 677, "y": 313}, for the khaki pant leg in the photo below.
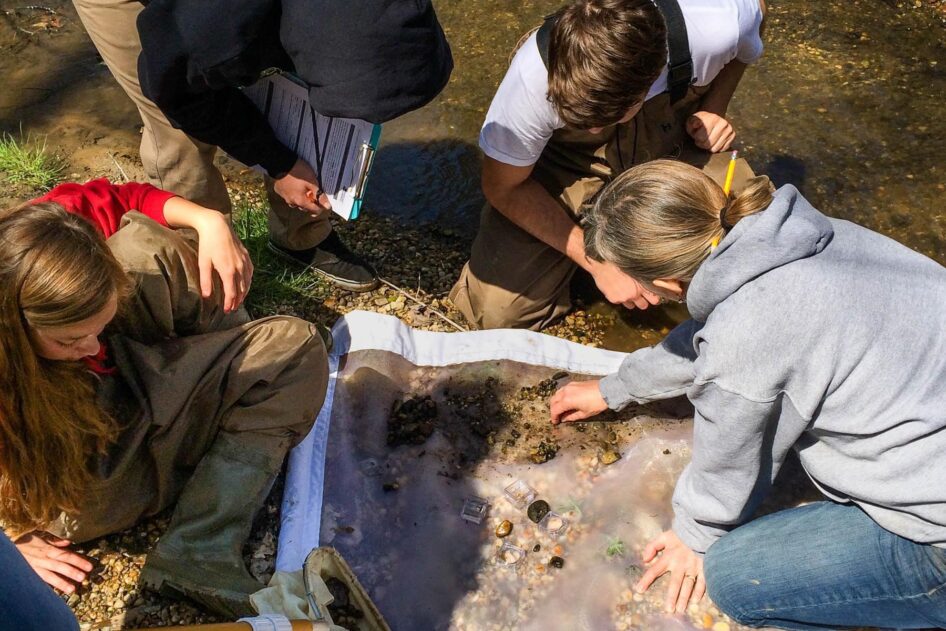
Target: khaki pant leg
{"x": 512, "y": 279}
{"x": 172, "y": 160}
{"x": 716, "y": 165}
{"x": 167, "y": 300}
{"x": 293, "y": 228}
{"x": 262, "y": 384}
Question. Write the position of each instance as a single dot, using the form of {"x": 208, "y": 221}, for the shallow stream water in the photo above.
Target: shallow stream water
{"x": 846, "y": 104}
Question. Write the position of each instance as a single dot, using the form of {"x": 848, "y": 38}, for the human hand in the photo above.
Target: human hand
{"x": 710, "y": 131}
{"x": 300, "y": 188}
{"x": 619, "y": 288}
{"x": 576, "y": 401}
{"x": 220, "y": 250}
{"x": 52, "y": 561}
{"x": 687, "y": 583}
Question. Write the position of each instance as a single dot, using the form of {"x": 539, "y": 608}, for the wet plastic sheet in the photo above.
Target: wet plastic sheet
{"x": 395, "y": 512}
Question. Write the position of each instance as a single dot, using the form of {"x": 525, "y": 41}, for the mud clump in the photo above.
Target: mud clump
{"x": 412, "y": 421}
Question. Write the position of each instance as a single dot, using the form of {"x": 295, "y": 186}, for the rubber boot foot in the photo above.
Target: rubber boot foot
{"x": 228, "y": 597}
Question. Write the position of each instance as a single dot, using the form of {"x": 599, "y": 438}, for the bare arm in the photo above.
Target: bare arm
{"x": 717, "y": 99}
{"x": 522, "y": 200}
{"x": 218, "y": 250}
{"x": 708, "y": 127}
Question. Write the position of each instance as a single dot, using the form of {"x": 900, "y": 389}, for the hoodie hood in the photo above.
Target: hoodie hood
{"x": 368, "y": 59}
{"x": 788, "y": 230}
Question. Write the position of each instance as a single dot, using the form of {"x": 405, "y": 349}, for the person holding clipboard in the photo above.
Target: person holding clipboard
{"x": 183, "y": 64}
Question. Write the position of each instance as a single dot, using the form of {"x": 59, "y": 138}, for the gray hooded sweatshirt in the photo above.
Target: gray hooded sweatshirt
{"x": 813, "y": 333}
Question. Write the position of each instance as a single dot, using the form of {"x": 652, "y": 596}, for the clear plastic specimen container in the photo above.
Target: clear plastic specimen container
{"x": 519, "y": 494}
{"x": 554, "y": 524}
{"x": 510, "y": 556}
{"x": 474, "y": 509}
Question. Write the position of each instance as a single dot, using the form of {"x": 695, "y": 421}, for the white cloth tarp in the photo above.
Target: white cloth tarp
{"x": 394, "y": 512}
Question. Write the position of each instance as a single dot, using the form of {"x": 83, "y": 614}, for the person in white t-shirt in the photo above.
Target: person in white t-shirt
{"x": 587, "y": 96}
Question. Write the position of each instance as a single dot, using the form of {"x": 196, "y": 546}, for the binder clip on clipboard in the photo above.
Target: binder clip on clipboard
{"x": 340, "y": 150}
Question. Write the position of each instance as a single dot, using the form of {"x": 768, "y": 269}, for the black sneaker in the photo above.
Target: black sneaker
{"x": 333, "y": 260}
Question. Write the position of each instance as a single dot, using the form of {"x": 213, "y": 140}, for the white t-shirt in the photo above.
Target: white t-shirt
{"x": 521, "y": 119}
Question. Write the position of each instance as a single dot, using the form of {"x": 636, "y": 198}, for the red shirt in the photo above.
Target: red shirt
{"x": 103, "y": 204}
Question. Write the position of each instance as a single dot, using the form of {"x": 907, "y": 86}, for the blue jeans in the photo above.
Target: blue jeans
{"x": 826, "y": 566}
{"x": 26, "y": 602}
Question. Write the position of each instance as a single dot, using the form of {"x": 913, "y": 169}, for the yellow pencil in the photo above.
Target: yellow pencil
{"x": 729, "y": 173}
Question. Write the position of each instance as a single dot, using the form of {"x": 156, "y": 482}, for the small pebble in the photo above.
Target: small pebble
{"x": 707, "y": 621}
{"x": 558, "y": 562}
{"x": 504, "y": 528}
{"x": 537, "y": 510}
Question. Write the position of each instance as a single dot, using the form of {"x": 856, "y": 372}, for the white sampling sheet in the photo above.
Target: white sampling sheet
{"x": 391, "y": 502}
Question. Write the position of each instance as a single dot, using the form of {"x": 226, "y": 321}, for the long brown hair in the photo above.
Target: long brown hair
{"x": 604, "y": 55}
{"x": 55, "y": 270}
{"x": 661, "y": 219}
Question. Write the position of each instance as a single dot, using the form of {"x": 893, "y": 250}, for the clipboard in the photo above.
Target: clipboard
{"x": 340, "y": 150}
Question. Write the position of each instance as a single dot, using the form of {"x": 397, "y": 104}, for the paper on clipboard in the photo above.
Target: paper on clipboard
{"x": 341, "y": 150}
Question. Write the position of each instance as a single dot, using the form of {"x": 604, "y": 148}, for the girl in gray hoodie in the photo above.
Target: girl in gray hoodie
{"x": 807, "y": 333}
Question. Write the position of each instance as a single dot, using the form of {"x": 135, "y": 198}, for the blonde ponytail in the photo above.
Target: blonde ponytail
{"x": 662, "y": 219}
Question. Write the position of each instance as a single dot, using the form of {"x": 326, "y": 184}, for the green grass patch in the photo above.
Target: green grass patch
{"x": 28, "y": 163}
{"x": 276, "y": 287}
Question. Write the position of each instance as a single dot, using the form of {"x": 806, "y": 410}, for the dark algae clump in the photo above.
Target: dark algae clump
{"x": 412, "y": 421}
{"x": 544, "y": 452}
{"x": 342, "y": 610}
{"x": 541, "y": 391}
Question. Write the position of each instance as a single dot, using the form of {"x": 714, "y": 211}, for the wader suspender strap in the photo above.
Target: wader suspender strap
{"x": 542, "y": 37}
{"x": 680, "y": 73}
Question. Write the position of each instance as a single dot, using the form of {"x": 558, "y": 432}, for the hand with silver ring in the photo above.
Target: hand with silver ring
{"x": 667, "y": 553}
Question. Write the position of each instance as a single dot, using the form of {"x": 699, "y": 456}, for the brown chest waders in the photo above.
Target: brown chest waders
{"x": 209, "y": 405}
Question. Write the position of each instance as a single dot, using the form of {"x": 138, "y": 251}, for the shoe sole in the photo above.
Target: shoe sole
{"x": 335, "y": 280}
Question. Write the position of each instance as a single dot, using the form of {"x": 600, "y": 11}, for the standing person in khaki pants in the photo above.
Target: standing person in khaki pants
{"x": 183, "y": 62}
{"x": 601, "y": 86}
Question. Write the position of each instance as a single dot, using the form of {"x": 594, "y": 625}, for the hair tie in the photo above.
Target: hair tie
{"x": 723, "y": 220}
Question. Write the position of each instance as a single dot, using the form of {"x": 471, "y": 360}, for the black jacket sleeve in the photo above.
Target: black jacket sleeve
{"x": 193, "y": 57}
